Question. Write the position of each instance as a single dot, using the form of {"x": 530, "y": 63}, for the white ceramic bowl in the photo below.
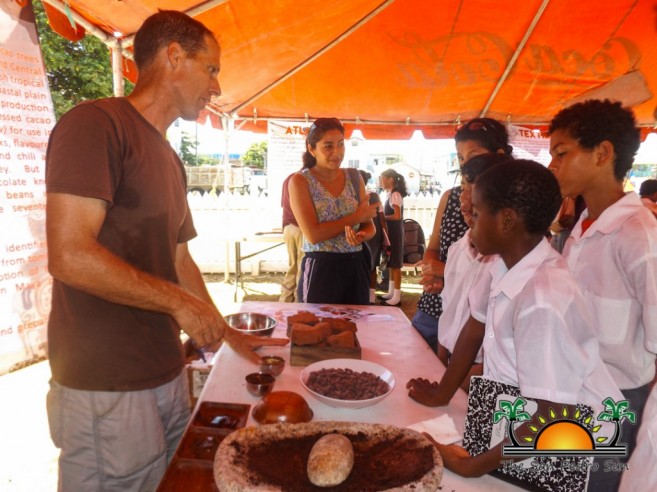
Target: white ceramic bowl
{"x": 355, "y": 365}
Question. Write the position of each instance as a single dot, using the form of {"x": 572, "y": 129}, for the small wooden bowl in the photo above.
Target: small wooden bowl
{"x": 282, "y": 406}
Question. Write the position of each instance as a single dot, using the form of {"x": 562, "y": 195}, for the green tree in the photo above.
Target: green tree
{"x": 513, "y": 412}
{"x": 208, "y": 160}
{"x": 188, "y": 150}
{"x": 255, "y": 155}
{"x": 616, "y": 412}
{"x": 77, "y": 71}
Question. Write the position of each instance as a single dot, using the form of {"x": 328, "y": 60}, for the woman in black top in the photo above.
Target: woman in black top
{"x": 476, "y": 137}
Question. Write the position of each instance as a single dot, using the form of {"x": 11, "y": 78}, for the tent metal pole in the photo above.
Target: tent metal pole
{"x": 117, "y": 69}
{"x": 514, "y": 58}
{"x": 228, "y": 123}
{"x": 88, "y": 26}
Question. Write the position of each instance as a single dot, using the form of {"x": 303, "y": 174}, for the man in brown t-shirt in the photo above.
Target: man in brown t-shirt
{"x": 124, "y": 282}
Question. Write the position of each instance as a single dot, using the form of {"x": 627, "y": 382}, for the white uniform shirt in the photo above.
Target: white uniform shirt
{"x": 615, "y": 265}
{"x": 641, "y": 473}
{"x": 463, "y": 269}
{"x": 539, "y": 335}
{"x": 396, "y": 199}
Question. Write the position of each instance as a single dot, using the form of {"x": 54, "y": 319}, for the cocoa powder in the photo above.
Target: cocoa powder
{"x": 377, "y": 465}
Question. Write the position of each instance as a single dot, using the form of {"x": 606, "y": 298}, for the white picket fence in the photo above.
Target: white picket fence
{"x": 221, "y": 220}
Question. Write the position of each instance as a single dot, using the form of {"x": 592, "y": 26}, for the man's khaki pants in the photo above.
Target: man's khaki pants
{"x": 294, "y": 242}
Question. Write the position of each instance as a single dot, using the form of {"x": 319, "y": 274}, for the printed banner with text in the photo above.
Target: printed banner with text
{"x": 285, "y": 147}
{"x": 26, "y": 118}
{"x": 529, "y": 144}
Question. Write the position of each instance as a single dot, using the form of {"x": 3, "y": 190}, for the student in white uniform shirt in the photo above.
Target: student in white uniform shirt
{"x": 539, "y": 334}
{"x": 463, "y": 269}
{"x": 612, "y": 250}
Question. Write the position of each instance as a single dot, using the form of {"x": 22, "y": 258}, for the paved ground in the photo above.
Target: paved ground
{"x": 28, "y": 459}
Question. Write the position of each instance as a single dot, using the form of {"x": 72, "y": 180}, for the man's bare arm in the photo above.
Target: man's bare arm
{"x": 76, "y": 258}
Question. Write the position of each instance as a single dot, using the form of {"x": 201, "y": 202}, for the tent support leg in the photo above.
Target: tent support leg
{"x": 117, "y": 69}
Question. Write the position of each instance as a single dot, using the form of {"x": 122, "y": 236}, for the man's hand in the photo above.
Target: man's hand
{"x": 246, "y": 345}
{"x": 207, "y": 328}
{"x": 205, "y": 325}
{"x": 426, "y": 392}
{"x": 200, "y": 320}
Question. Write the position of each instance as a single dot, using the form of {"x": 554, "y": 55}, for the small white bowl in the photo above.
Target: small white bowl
{"x": 355, "y": 365}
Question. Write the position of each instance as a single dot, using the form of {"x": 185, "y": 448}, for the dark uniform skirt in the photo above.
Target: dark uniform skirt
{"x": 335, "y": 278}
{"x": 396, "y": 236}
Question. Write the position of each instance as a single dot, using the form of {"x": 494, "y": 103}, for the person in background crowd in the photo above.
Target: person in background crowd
{"x": 648, "y": 193}
{"x": 331, "y": 207}
{"x": 395, "y": 184}
{"x": 375, "y": 244}
{"x": 294, "y": 243}
{"x": 539, "y": 333}
{"x": 476, "y": 137}
{"x": 567, "y": 217}
{"x": 611, "y": 249}
{"x": 124, "y": 283}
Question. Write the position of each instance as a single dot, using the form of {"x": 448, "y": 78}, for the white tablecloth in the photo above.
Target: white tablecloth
{"x": 386, "y": 338}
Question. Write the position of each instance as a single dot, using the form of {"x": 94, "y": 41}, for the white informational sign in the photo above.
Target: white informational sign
{"x": 26, "y": 118}
{"x": 286, "y": 144}
{"x": 529, "y": 144}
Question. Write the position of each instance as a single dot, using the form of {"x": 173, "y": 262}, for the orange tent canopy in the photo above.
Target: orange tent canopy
{"x": 391, "y": 67}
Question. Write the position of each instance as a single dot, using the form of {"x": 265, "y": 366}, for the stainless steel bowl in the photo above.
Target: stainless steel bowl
{"x": 272, "y": 364}
{"x": 259, "y": 383}
{"x": 253, "y": 323}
